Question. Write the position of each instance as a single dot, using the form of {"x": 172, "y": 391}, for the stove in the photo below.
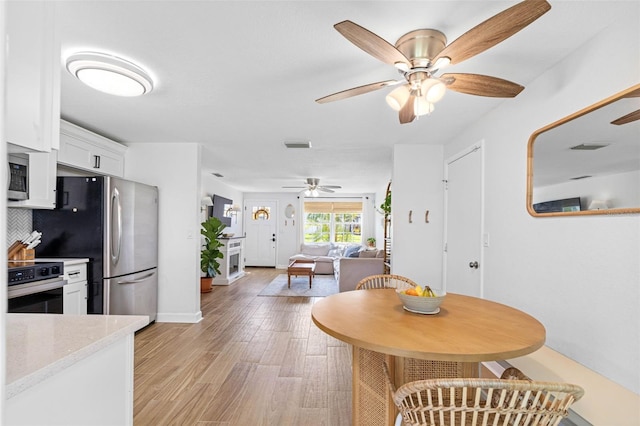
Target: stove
{"x": 26, "y": 271}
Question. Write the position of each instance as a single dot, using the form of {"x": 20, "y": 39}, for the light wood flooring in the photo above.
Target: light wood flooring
{"x": 252, "y": 360}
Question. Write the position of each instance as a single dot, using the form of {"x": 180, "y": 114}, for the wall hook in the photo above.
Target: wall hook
{"x": 426, "y": 217}
{"x": 410, "y": 213}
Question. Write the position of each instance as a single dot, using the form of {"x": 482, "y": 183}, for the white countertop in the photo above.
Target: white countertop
{"x": 41, "y": 345}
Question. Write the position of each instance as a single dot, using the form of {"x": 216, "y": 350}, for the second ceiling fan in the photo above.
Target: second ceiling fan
{"x": 419, "y": 55}
{"x": 313, "y": 186}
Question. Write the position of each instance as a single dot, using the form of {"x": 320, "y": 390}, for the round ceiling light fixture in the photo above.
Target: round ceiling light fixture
{"x": 109, "y": 74}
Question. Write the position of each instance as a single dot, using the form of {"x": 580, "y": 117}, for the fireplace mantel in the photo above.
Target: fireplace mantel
{"x": 232, "y": 262}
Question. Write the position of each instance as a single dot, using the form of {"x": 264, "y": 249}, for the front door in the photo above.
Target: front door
{"x": 463, "y": 232}
{"x": 260, "y": 227}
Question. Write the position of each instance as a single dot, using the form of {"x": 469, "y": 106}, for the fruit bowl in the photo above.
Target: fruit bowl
{"x": 422, "y": 304}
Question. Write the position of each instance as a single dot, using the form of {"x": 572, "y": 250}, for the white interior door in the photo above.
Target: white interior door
{"x": 464, "y": 218}
{"x": 260, "y": 228}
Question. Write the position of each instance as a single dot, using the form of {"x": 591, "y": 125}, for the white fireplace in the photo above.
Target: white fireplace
{"x": 232, "y": 262}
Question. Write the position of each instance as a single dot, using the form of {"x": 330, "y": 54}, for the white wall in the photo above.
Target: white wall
{"x": 175, "y": 169}
{"x": 579, "y": 276}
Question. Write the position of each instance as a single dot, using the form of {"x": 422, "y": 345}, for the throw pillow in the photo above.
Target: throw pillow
{"x": 334, "y": 253}
{"x": 351, "y": 251}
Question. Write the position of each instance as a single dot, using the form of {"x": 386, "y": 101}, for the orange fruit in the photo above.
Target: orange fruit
{"x": 411, "y": 292}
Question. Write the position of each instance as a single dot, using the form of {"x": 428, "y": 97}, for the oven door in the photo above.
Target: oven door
{"x": 38, "y": 297}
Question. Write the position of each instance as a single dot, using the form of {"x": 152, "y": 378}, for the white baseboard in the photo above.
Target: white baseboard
{"x": 182, "y": 318}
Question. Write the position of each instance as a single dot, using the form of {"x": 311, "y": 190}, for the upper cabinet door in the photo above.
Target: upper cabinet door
{"x": 33, "y": 76}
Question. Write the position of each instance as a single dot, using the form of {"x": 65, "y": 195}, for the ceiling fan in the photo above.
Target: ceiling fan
{"x": 313, "y": 186}
{"x": 420, "y": 54}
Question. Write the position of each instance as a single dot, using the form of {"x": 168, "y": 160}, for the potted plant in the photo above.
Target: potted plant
{"x": 212, "y": 231}
{"x": 371, "y": 242}
{"x": 386, "y": 206}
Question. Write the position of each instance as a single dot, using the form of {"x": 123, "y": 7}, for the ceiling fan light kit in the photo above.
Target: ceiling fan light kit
{"x": 109, "y": 74}
{"x": 420, "y": 54}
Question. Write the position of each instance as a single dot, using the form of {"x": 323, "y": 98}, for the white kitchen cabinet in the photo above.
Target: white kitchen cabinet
{"x": 74, "y": 293}
{"x": 32, "y": 76}
{"x": 42, "y": 181}
{"x": 85, "y": 150}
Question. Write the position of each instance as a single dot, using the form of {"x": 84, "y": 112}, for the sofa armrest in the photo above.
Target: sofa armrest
{"x": 353, "y": 269}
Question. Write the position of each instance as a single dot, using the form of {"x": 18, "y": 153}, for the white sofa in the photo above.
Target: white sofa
{"x": 323, "y": 253}
{"x": 349, "y": 263}
{"x": 350, "y": 270}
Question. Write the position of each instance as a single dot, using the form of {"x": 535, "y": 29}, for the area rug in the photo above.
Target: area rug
{"x": 322, "y": 285}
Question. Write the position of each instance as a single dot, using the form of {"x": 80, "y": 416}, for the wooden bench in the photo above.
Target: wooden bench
{"x": 604, "y": 402}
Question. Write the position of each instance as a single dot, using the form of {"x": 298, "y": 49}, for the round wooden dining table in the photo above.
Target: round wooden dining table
{"x": 451, "y": 343}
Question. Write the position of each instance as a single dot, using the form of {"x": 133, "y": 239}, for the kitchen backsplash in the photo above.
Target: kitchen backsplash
{"x": 18, "y": 224}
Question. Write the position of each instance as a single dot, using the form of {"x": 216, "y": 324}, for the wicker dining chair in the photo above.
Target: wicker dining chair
{"x": 385, "y": 281}
{"x": 504, "y": 401}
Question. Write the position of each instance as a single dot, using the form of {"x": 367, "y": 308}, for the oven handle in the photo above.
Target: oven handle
{"x": 35, "y": 287}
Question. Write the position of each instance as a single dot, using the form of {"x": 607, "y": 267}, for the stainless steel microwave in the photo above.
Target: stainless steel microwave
{"x": 18, "y": 178}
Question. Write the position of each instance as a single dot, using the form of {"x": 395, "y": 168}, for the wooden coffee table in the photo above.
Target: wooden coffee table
{"x": 301, "y": 267}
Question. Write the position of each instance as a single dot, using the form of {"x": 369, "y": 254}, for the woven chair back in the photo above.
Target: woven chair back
{"x": 385, "y": 281}
{"x": 483, "y": 401}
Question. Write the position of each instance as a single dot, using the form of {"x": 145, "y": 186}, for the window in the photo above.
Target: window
{"x": 338, "y": 222}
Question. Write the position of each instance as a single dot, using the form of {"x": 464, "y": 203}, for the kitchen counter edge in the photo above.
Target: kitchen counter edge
{"x": 32, "y": 358}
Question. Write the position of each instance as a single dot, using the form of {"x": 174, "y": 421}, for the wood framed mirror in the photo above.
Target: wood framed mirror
{"x": 589, "y": 162}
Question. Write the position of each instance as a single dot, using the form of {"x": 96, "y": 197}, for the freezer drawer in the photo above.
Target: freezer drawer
{"x": 134, "y": 294}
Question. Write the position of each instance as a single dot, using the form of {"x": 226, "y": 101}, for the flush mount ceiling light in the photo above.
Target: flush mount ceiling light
{"x": 109, "y": 74}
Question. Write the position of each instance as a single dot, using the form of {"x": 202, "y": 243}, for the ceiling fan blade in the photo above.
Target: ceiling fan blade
{"x": 324, "y": 189}
{"x": 494, "y": 30}
{"x": 332, "y": 186}
{"x": 355, "y": 91}
{"x": 632, "y": 116}
{"x": 294, "y": 187}
{"x": 407, "y": 114}
{"x": 481, "y": 85}
{"x": 371, "y": 43}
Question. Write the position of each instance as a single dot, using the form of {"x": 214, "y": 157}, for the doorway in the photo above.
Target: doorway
{"x": 260, "y": 228}
{"x": 464, "y": 218}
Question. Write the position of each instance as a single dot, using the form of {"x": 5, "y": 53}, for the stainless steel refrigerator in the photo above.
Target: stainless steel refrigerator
{"x": 114, "y": 223}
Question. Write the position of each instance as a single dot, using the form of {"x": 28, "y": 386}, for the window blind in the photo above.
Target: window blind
{"x": 333, "y": 207}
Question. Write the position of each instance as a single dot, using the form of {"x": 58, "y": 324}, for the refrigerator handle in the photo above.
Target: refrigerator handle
{"x": 116, "y": 228}
{"x": 139, "y": 280}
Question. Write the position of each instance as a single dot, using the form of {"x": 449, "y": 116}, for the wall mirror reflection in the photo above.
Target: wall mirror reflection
{"x": 588, "y": 162}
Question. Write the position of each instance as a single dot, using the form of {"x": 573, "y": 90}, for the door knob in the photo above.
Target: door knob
{"x": 473, "y": 265}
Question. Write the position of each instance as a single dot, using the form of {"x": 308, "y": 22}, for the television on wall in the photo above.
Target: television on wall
{"x": 564, "y": 205}
{"x": 220, "y": 206}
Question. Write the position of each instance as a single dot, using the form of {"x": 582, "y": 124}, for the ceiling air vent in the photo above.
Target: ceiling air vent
{"x": 217, "y": 174}
{"x": 580, "y": 177}
{"x": 588, "y": 146}
{"x": 299, "y": 144}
